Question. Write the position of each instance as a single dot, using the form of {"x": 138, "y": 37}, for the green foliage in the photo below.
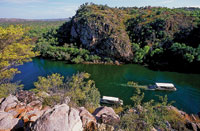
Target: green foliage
{"x": 71, "y": 54}
{"x": 9, "y": 88}
{"x": 139, "y": 53}
{"x": 36, "y": 28}
{"x": 156, "y": 51}
{"x": 79, "y": 88}
{"x": 77, "y": 60}
{"x": 128, "y": 122}
{"x": 52, "y": 100}
{"x": 148, "y": 114}
{"x": 184, "y": 52}
{"x": 131, "y": 83}
{"x": 15, "y": 49}
{"x": 52, "y": 82}
{"x": 138, "y": 97}
{"x": 109, "y": 60}
{"x": 94, "y": 58}
{"x": 83, "y": 91}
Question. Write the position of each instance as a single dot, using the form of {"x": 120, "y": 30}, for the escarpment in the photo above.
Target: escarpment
{"x": 98, "y": 31}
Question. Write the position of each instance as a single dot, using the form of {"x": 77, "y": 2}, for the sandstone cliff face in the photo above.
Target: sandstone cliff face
{"x": 99, "y": 34}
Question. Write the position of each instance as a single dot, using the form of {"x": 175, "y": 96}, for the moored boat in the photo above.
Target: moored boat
{"x": 111, "y": 100}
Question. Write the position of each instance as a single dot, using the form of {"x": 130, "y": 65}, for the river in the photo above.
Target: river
{"x": 111, "y": 80}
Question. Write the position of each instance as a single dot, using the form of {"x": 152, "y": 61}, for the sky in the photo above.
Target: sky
{"x": 51, "y": 9}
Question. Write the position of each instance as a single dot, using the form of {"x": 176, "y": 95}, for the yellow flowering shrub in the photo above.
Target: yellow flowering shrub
{"x": 15, "y": 49}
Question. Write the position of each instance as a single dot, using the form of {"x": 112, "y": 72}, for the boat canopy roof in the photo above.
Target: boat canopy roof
{"x": 110, "y": 98}
{"x": 164, "y": 84}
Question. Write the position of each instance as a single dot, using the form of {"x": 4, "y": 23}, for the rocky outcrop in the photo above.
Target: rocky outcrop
{"x": 87, "y": 118}
{"x": 7, "y": 121}
{"x": 99, "y": 34}
{"x": 106, "y": 115}
{"x": 8, "y": 103}
{"x": 31, "y": 115}
{"x": 26, "y": 112}
{"x": 192, "y": 122}
{"x": 59, "y": 118}
{"x": 193, "y": 126}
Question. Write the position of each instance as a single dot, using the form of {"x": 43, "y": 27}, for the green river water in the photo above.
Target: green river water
{"x": 111, "y": 80}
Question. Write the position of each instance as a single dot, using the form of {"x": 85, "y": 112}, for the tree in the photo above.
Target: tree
{"x": 186, "y": 53}
{"x": 15, "y": 49}
{"x": 139, "y": 53}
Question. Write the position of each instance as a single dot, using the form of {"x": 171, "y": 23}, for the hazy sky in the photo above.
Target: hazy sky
{"x": 44, "y": 9}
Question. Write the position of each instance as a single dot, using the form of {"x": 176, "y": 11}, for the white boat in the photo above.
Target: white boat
{"x": 163, "y": 86}
{"x": 111, "y": 100}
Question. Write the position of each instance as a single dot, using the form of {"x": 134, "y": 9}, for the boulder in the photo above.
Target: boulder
{"x": 8, "y": 103}
{"x": 59, "y": 118}
{"x": 75, "y": 123}
{"x": 7, "y": 121}
{"x": 86, "y": 117}
{"x": 33, "y": 115}
{"x": 19, "y": 111}
{"x": 35, "y": 104}
{"x": 106, "y": 115}
{"x": 117, "y": 62}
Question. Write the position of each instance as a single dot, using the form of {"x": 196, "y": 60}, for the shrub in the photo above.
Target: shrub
{"x": 52, "y": 100}
{"x": 148, "y": 114}
{"x": 79, "y": 88}
{"x": 9, "y": 88}
{"x": 83, "y": 91}
{"x": 77, "y": 60}
{"x": 52, "y": 82}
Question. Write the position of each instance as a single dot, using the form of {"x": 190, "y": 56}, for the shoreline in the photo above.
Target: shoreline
{"x": 166, "y": 68}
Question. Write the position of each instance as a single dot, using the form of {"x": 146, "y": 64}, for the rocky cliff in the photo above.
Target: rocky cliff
{"x": 16, "y": 113}
{"x": 98, "y": 31}
{"x": 147, "y": 35}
